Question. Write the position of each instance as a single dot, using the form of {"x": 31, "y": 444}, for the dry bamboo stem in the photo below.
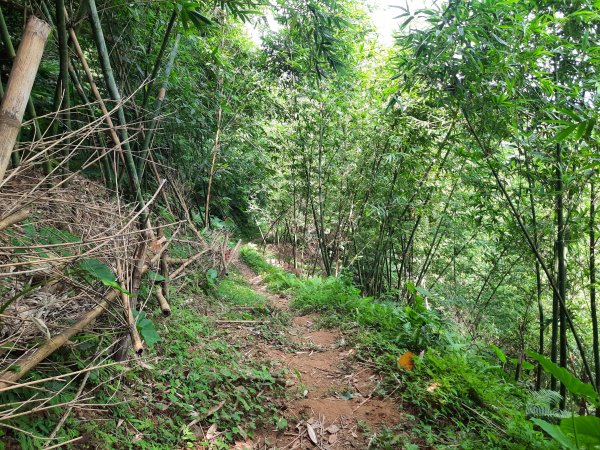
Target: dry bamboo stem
{"x": 162, "y": 301}
{"x": 113, "y": 133}
{"x": 136, "y": 341}
{"x": 228, "y": 257}
{"x": 19, "y": 86}
{"x": 8, "y": 378}
{"x": 164, "y": 248}
{"x": 187, "y": 263}
{"x": 15, "y": 217}
{"x": 186, "y": 213}
{"x": 164, "y": 271}
{"x": 171, "y": 260}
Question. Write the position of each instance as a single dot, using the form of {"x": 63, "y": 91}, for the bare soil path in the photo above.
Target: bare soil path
{"x": 330, "y": 401}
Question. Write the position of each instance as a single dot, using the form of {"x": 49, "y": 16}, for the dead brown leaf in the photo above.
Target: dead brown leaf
{"x": 311, "y": 433}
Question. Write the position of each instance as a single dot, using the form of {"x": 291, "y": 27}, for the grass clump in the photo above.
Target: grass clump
{"x": 277, "y": 279}
{"x": 237, "y": 301}
{"x": 235, "y": 293}
{"x": 255, "y": 260}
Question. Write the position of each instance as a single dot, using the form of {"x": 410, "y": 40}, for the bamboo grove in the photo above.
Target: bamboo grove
{"x": 459, "y": 164}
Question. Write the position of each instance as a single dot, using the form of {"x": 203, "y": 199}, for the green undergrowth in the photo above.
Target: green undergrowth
{"x": 195, "y": 376}
{"x": 238, "y": 301}
{"x": 199, "y": 379}
{"x": 277, "y": 279}
{"x": 455, "y": 396}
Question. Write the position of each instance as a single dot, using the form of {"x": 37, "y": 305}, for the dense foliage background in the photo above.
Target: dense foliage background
{"x": 454, "y": 173}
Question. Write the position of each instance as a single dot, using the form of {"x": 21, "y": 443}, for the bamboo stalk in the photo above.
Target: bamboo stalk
{"x": 157, "y": 107}
{"x": 162, "y": 301}
{"x": 8, "y": 378}
{"x": 187, "y": 263}
{"x": 105, "y": 166}
{"x": 186, "y": 213}
{"x": 63, "y": 80}
{"x": 111, "y": 127}
{"x": 138, "y": 270}
{"x": 19, "y": 86}
{"x": 15, "y": 217}
{"x": 136, "y": 341}
{"x": 172, "y": 260}
{"x": 163, "y": 47}
{"x": 12, "y": 54}
{"x": 115, "y": 95}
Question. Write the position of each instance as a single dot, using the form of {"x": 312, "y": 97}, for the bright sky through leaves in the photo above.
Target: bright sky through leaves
{"x": 385, "y": 13}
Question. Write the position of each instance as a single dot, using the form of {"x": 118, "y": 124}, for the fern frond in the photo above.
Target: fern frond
{"x": 541, "y": 404}
{"x": 544, "y": 397}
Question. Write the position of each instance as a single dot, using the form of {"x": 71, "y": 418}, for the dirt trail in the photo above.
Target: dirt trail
{"x": 330, "y": 402}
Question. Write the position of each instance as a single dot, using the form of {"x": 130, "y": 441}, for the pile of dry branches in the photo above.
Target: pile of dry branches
{"x": 72, "y": 257}
{"x": 50, "y": 232}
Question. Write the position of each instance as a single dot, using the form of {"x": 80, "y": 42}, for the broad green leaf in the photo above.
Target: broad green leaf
{"x": 97, "y": 269}
{"x": 115, "y": 285}
{"x": 155, "y": 276}
{"x": 565, "y": 133}
{"x": 499, "y": 353}
{"x": 556, "y": 433}
{"x": 526, "y": 365}
{"x": 586, "y": 428}
{"x": 423, "y": 291}
{"x": 211, "y": 274}
{"x": 281, "y": 423}
{"x": 571, "y": 382}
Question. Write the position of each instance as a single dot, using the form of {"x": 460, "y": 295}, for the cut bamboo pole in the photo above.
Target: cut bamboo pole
{"x": 12, "y": 55}
{"x": 164, "y": 270}
{"x": 15, "y": 217}
{"x": 19, "y": 86}
{"x": 181, "y": 268}
{"x": 162, "y": 301}
{"x": 8, "y": 378}
{"x": 136, "y": 341}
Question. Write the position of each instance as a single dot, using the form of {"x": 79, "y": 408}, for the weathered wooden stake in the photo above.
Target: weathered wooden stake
{"x": 19, "y": 86}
